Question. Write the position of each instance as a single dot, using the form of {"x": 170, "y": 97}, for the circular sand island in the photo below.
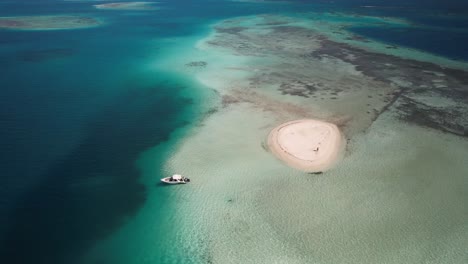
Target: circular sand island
{"x": 308, "y": 145}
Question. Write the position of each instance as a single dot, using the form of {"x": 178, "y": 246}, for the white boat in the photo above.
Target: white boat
{"x": 175, "y": 179}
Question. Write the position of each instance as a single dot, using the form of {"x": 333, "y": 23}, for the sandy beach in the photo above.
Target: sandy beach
{"x": 308, "y": 145}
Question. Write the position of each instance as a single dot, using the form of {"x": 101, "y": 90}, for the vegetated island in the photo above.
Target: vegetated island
{"x": 127, "y": 6}
{"x": 47, "y": 22}
{"x": 309, "y": 145}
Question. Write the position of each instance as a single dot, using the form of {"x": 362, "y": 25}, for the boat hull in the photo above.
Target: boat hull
{"x": 168, "y": 181}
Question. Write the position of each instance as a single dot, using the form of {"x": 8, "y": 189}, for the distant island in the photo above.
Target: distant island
{"x": 47, "y": 22}
{"x": 127, "y": 6}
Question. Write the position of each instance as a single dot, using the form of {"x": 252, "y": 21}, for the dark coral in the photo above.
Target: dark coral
{"x": 200, "y": 64}
{"x": 300, "y": 88}
{"x": 44, "y": 54}
{"x": 447, "y": 120}
{"x": 420, "y": 78}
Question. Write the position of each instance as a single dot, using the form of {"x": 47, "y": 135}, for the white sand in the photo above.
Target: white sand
{"x": 308, "y": 145}
{"x": 127, "y": 6}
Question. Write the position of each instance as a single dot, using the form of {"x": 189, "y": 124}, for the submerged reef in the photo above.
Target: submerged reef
{"x": 199, "y": 64}
{"x": 308, "y": 63}
{"x": 44, "y": 54}
{"x": 432, "y": 95}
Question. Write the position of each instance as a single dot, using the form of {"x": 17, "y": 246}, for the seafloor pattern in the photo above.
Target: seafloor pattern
{"x": 309, "y": 64}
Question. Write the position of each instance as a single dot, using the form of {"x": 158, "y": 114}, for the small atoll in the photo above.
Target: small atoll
{"x": 47, "y": 22}
{"x": 127, "y": 6}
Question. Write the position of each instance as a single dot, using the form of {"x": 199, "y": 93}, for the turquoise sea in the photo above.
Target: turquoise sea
{"x": 80, "y": 107}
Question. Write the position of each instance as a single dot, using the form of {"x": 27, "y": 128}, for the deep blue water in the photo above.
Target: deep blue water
{"x": 450, "y": 44}
{"x": 438, "y": 27}
{"x": 77, "y": 110}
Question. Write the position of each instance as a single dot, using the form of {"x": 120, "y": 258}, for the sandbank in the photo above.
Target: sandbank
{"x": 127, "y": 6}
{"x": 307, "y": 144}
{"x": 47, "y": 22}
